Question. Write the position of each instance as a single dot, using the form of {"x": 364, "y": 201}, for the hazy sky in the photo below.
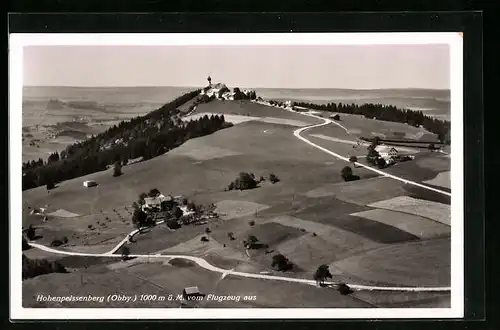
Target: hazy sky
{"x": 350, "y": 67}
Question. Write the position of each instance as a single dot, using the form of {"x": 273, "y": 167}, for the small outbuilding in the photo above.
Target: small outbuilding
{"x": 191, "y": 292}
{"x": 89, "y": 183}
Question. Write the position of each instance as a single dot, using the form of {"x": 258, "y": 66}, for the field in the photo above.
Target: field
{"x": 252, "y": 109}
{"x": 369, "y": 231}
{"x": 363, "y": 127}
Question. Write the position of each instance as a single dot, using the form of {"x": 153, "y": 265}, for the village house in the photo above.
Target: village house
{"x": 154, "y": 203}
{"x": 386, "y": 152}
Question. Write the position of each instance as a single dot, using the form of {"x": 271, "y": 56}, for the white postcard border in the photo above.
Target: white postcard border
{"x": 18, "y": 41}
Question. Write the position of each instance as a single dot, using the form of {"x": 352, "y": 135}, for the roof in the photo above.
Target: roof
{"x": 152, "y": 200}
{"x": 218, "y": 86}
{"x": 192, "y": 290}
{"x": 384, "y": 149}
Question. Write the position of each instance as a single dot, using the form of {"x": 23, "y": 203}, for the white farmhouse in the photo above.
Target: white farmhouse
{"x": 386, "y": 152}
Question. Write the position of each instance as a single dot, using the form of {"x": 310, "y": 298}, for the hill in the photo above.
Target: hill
{"x": 147, "y": 136}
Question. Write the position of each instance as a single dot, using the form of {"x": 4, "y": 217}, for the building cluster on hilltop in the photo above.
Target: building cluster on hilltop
{"x": 222, "y": 92}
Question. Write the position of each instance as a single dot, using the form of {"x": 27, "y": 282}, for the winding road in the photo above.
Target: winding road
{"x": 224, "y": 272}
{"x": 385, "y": 174}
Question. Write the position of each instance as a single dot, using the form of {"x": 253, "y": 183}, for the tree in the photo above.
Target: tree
{"x": 322, "y": 273}
{"x": 250, "y": 242}
{"x": 154, "y": 192}
{"x": 172, "y": 223}
{"x": 30, "y": 233}
{"x": 381, "y": 163}
{"x": 166, "y": 205}
{"x": 336, "y": 117}
{"x": 353, "y": 160}
{"x": 273, "y": 178}
{"x": 346, "y": 173}
{"x": 191, "y": 206}
{"x": 344, "y": 289}
{"x": 231, "y": 236}
{"x": 184, "y": 201}
{"x": 141, "y": 198}
{"x": 243, "y": 181}
{"x": 372, "y": 155}
{"x": 251, "y": 222}
{"x": 32, "y": 268}
{"x": 204, "y": 239}
{"x": 117, "y": 169}
{"x": 207, "y": 230}
{"x": 281, "y": 263}
{"x": 125, "y": 253}
{"x": 50, "y": 185}
{"x": 431, "y": 147}
{"x": 177, "y": 212}
{"x": 139, "y": 218}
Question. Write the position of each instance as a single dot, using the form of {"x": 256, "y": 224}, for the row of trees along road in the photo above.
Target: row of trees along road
{"x": 389, "y": 113}
{"x": 147, "y": 136}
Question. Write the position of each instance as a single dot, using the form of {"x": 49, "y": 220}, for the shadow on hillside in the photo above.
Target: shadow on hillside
{"x": 352, "y": 178}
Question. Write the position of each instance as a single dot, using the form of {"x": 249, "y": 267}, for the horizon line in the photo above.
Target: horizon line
{"x": 196, "y": 87}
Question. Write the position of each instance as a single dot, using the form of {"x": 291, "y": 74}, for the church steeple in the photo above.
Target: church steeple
{"x": 209, "y": 81}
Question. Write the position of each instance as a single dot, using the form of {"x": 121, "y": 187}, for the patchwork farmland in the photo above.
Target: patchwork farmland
{"x": 371, "y": 232}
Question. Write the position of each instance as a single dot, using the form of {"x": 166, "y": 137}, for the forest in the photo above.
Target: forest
{"x": 389, "y": 113}
{"x": 145, "y": 136}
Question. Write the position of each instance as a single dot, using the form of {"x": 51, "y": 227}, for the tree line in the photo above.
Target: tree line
{"x": 389, "y": 113}
{"x": 145, "y": 136}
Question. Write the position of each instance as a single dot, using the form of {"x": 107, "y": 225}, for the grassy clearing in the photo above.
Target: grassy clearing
{"x": 308, "y": 251}
{"x": 413, "y": 224}
{"x": 373, "y": 230}
{"x": 345, "y": 242}
{"x": 247, "y": 108}
{"x": 369, "y": 127}
{"x": 334, "y": 212}
{"x": 341, "y": 148}
{"x": 435, "y": 161}
{"x": 196, "y": 247}
{"x": 61, "y": 213}
{"x": 238, "y": 119}
{"x": 202, "y": 152}
{"x": 431, "y": 210}
{"x": 361, "y": 192}
{"x": 428, "y": 262}
{"x": 324, "y": 209}
{"x": 272, "y": 233}
{"x": 231, "y": 209}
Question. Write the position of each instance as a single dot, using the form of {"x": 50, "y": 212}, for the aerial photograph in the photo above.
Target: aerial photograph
{"x": 236, "y": 176}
